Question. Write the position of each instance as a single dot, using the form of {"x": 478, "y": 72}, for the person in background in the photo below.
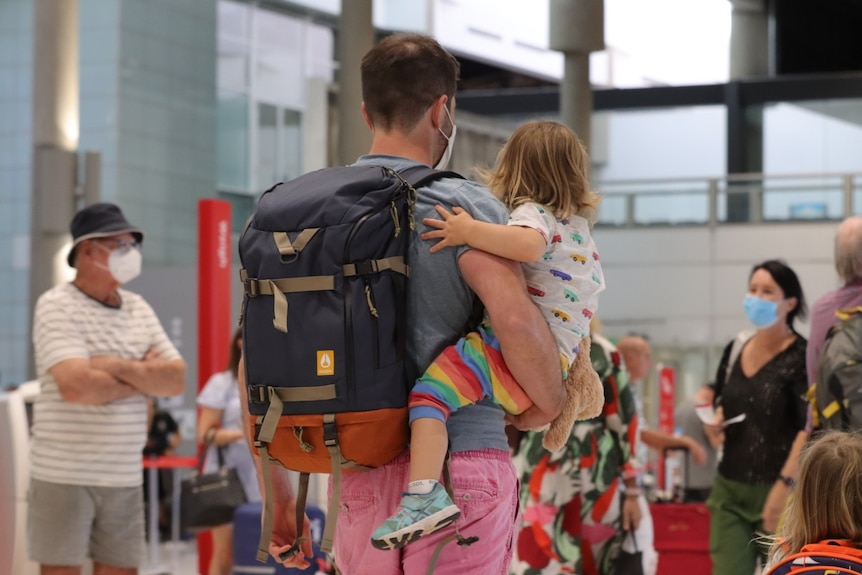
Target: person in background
{"x": 637, "y": 361}
{"x": 700, "y": 477}
{"x": 100, "y": 350}
{"x": 766, "y": 381}
{"x": 162, "y": 439}
{"x": 578, "y": 502}
{"x": 220, "y": 426}
{"x": 824, "y": 515}
{"x": 848, "y": 264}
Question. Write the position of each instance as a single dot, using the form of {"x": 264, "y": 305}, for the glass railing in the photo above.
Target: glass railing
{"x": 738, "y": 198}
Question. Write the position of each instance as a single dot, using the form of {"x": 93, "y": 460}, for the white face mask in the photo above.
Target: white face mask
{"x": 450, "y": 142}
{"x": 124, "y": 264}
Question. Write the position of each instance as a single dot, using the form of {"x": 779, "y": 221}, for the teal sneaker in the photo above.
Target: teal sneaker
{"x": 417, "y": 515}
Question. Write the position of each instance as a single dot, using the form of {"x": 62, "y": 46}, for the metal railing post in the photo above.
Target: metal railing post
{"x": 847, "y": 189}
{"x": 630, "y": 210}
{"x": 712, "y": 216}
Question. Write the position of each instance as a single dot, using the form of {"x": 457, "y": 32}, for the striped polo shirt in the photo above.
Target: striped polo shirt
{"x": 90, "y": 444}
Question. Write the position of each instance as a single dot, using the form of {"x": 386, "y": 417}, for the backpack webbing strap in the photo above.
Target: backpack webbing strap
{"x": 463, "y": 541}
{"x": 265, "y": 432}
{"x": 266, "y": 520}
{"x": 330, "y": 440}
{"x": 395, "y": 263}
{"x": 288, "y": 248}
{"x": 277, "y": 288}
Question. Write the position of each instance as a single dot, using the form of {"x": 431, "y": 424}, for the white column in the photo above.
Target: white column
{"x": 749, "y": 40}
{"x": 355, "y": 39}
{"x": 55, "y": 140}
{"x": 576, "y": 30}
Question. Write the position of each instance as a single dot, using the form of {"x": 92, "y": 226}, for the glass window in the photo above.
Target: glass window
{"x": 290, "y": 145}
{"x": 267, "y": 146}
{"x": 233, "y": 141}
{"x": 279, "y": 66}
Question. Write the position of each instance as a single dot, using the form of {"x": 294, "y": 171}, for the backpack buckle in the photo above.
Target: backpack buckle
{"x": 330, "y": 434}
{"x": 252, "y": 287}
{"x": 256, "y": 394}
{"x": 366, "y": 267}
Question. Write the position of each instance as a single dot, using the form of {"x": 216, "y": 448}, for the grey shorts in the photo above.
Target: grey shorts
{"x": 68, "y": 523}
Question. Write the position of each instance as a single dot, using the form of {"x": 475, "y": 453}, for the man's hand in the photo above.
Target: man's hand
{"x": 532, "y": 418}
{"x": 284, "y": 535}
{"x": 454, "y": 229}
{"x": 698, "y": 453}
{"x": 152, "y": 354}
{"x": 631, "y": 513}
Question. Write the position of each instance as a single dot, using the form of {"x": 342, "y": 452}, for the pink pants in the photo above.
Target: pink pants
{"x": 486, "y": 491}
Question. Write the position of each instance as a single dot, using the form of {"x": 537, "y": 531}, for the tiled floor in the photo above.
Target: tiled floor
{"x": 173, "y": 559}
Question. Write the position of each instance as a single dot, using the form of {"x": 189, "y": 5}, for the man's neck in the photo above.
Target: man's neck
{"x": 400, "y": 145}
{"x": 98, "y": 290}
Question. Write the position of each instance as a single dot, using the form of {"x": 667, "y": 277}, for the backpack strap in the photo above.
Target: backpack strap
{"x": 463, "y": 541}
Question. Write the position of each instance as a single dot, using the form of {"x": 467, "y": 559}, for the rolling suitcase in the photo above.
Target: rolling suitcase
{"x": 246, "y": 532}
{"x": 681, "y": 535}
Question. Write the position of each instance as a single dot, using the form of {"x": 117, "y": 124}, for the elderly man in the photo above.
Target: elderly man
{"x": 100, "y": 350}
{"x": 848, "y": 264}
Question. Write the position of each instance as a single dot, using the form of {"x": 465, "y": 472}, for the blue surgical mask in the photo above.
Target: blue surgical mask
{"x": 761, "y": 312}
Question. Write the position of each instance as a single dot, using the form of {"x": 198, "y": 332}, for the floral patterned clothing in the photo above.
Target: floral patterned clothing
{"x": 571, "y": 499}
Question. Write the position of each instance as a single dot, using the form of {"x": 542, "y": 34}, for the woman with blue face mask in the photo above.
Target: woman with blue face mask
{"x": 761, "y": 385}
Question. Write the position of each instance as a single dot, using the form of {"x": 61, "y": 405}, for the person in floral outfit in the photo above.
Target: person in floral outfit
{"x": 579, "y": 501}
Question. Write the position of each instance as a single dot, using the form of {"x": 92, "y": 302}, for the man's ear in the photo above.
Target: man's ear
{"x": 367, "y": 118}
{"x": 437, "y": 111}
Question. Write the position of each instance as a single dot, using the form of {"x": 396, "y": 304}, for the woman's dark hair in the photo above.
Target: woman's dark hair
{"x": 789, "y": 283}
{"x": 235, "y": 352}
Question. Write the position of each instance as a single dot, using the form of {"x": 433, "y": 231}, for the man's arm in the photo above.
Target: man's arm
{"x": 151, "y": 375}
{"x": 525, "y": 338}
{"x": 660, "y": 441}
{"x": 81, "y": 382}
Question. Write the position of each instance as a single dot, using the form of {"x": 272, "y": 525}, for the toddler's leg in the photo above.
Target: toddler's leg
{"x": 426, "y": 507}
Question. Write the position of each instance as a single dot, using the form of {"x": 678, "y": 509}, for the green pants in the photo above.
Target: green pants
{"x": 735, "y": 522}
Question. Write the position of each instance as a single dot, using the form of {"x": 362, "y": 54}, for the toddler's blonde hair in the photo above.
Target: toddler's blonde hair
{"x": 827, "y": 502}
{"x": 544, "y": 162}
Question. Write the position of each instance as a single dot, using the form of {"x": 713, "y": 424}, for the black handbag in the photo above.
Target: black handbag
{"x": 208, "y": 500}
{"x": 629, "y": 563}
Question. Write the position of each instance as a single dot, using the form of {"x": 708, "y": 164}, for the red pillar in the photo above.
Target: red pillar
{"x": 214, "y": 309}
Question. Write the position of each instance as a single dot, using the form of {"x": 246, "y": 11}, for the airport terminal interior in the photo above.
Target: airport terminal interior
{"x": 722, "y": 133}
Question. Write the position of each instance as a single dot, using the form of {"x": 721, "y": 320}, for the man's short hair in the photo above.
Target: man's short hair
{"x": 402, "y": 76}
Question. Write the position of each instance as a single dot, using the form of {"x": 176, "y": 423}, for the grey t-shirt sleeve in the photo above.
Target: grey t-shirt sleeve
{"x": 481, "y": 204}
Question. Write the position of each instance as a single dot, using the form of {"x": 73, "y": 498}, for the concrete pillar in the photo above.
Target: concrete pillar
{"x": 749, "y": 40}
{"x": 577, "y": 29}
{"x": 55, "y": 139}
{"x": 355, "y": 39}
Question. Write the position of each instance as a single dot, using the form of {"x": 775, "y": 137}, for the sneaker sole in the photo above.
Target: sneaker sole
{"x": 398, "y": 539}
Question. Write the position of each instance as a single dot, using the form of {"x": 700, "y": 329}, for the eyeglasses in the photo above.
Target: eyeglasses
{"x": 122, "y": 246}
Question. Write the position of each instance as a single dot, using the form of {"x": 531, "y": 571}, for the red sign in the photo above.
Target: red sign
{"x": 666, "y": 400}
{"x": 214, "y": 309}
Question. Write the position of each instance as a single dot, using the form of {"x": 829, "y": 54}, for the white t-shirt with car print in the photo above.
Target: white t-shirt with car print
{"x": 565, "y": 283}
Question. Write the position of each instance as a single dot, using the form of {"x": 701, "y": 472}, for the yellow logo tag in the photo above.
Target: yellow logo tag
{"x": 326, "y": 362}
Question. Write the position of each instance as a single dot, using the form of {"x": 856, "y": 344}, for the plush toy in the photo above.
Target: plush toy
{"x": 585, "y": 398}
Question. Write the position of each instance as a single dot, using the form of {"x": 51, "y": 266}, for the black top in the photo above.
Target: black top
{"x": 776, "y": 409}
